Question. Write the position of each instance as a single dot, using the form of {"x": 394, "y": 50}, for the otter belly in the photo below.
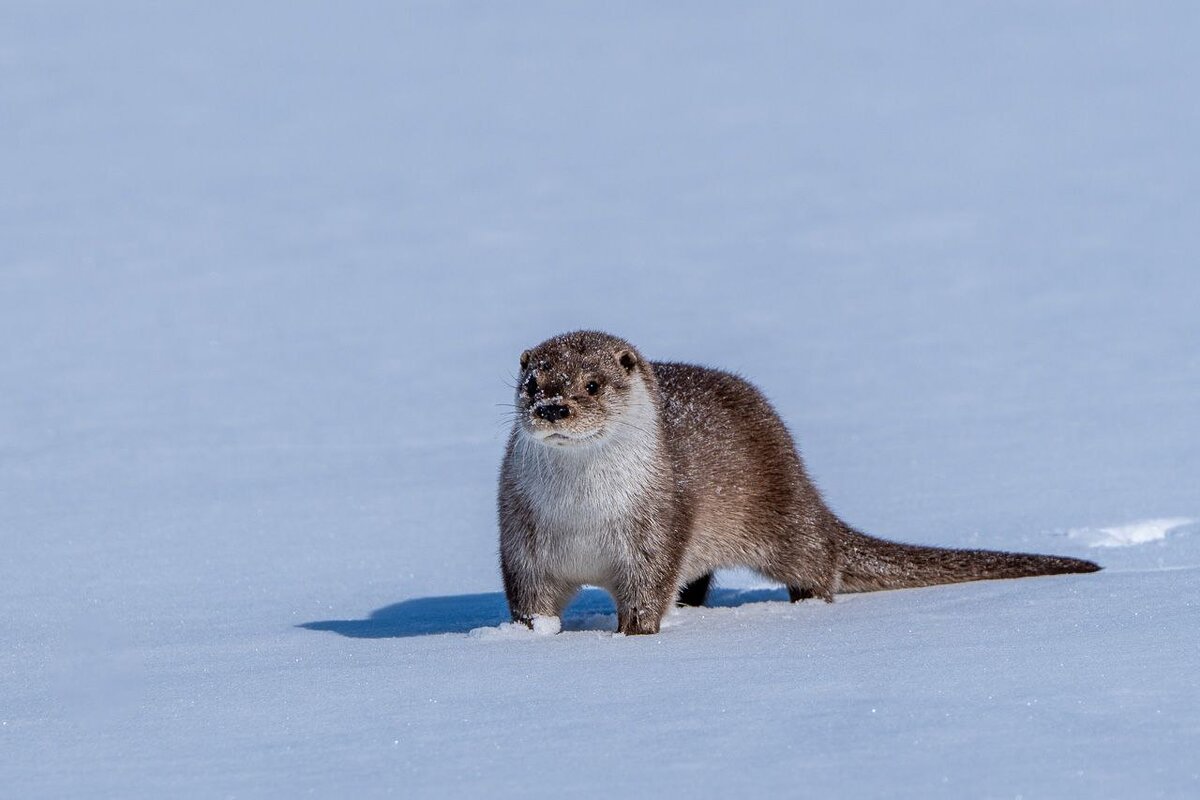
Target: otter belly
{"x": 582, "y": 531}
{"x": 581, "y": 552}
{"x": 585, "y": 506}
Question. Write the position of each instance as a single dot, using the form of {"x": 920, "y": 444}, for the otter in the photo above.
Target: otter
{"x": 643, "y": 477}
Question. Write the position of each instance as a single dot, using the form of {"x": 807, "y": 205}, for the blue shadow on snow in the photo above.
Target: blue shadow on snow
{"x": 460, "y": 613}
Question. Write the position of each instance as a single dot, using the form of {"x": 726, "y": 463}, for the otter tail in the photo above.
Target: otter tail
{"x": 869, "y": 564}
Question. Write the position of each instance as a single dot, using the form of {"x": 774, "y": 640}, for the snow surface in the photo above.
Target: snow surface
{"x": 265, "y": 271}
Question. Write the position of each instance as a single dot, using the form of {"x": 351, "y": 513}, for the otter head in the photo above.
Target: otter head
{"x": 574, "y": 389}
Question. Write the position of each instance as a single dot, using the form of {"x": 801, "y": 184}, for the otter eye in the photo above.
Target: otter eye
{"x": 531, "y": 386}
{"x": 592, "y": 387}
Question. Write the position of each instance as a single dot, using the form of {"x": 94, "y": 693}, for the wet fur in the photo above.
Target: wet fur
{"x": 670, "y": 471}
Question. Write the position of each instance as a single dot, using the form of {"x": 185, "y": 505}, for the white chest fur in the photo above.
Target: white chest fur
{"x": 584, "y": 498}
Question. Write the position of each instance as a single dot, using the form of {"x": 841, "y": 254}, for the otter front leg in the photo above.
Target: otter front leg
{"x": 642, "y": 615}
{"x": 536, "y": 597}
{"x": 532, "y": 592}
{"x": 645, "y": 594}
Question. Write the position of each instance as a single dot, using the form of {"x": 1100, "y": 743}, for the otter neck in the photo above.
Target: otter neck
{"x": 611, "y": 472}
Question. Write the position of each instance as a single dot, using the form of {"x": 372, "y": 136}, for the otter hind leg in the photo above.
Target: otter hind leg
{"x": 694, "y": 593}
{"x": 806, "y": 571}
{"x": 798, "y": 593}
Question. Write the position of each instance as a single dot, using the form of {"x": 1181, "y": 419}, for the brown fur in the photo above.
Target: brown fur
{"x": 666, "y": 472}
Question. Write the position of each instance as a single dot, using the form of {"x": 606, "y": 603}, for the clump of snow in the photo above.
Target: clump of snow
{"x": 542, "y": 626}
{"x": 1148, "y": 530}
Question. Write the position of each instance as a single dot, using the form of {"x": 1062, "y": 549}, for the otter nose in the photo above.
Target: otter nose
{"x": 552, "y": 413}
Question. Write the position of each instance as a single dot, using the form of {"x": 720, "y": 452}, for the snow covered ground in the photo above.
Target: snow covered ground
{"x": 265, "y": 270}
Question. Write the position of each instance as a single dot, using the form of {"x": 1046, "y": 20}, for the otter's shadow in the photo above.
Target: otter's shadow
{"x": 592, "y": 609}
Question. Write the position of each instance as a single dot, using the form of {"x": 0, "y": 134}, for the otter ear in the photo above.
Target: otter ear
{"x": 628, "y": 359}
{"x": 525, "y": 359}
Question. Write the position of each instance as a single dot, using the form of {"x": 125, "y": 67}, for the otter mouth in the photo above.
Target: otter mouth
{"x": 564, "y": 439}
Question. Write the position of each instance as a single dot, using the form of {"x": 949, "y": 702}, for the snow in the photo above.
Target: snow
{"x": 1149, "y": 530}
{"x": 542, "y": 626}
{"x": 265, "y": 275}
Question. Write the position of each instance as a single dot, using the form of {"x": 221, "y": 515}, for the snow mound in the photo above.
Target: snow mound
{"x": 1149, "y": 530}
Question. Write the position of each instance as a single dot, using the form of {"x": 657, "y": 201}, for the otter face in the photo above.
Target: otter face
{"x": 574, "y": 389}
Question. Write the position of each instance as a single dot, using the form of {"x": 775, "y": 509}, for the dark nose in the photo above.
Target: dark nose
{"x": 552, "y": 413}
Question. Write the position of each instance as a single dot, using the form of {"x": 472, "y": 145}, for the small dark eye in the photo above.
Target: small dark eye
{"x": 592, "y": 387}
{"x": 531, "y": 386}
